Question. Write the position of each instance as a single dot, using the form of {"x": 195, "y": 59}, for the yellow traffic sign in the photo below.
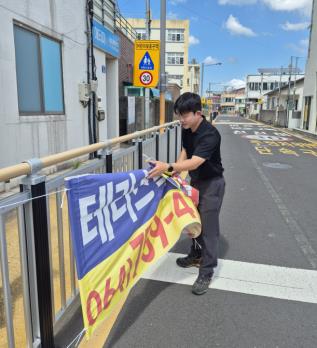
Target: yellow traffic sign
{"x": 146, "y": 63}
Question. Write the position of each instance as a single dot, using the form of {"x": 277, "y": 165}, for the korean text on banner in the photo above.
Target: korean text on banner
{"x": 121, "y": 223}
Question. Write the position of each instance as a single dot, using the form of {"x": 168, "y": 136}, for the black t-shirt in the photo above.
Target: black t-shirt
{"x": 205, "y": 143}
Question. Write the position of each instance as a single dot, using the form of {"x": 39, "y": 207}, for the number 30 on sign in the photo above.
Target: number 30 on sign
{"x": 146, "y": 78}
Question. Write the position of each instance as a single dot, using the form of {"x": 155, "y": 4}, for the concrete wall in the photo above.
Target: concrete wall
{"x": 269, "y": 117}
{"x": 23, "y": 137}
{"x": 311, "y": 71}
{"x": 125, "y": 62}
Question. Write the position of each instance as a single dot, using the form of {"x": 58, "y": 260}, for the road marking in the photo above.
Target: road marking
{"x": 234, "y": 123}
{"x": 243, "y": 277}
{"x": 295, "y": 229}
{"x": 288, "y": 131}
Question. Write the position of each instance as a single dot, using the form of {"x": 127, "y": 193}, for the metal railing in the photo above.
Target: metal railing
{"x": 37, "y": 294}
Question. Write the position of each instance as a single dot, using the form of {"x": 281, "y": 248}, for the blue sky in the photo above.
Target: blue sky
{"x": 242, "y": 34}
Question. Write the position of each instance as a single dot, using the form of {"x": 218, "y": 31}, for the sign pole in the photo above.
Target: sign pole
{"x": 147, "y": 90}
{"x": 162, "y": 61}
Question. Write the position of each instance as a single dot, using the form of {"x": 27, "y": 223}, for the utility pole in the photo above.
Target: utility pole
{"x": 147, "y": 90}
{"x": 294, "y": 87}
{"x": 290, "y": 68}
{"x": 261, "y": 92}
{"x": 202, "y": 79}
{"x": 162, "y": 61}
{"x": 279, "y": 96}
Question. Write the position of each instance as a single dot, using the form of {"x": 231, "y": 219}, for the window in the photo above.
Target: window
{"x": 39, "y": 73}
{"x": 175, "y": 35}
{"x": 175, "y": 58}
{"x": 178, "y": 78}
{"x": 141, "y": 34}
{"x": 265, "y": 86}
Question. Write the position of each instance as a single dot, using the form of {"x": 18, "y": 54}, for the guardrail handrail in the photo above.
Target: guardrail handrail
{"x": 25, "y": 168}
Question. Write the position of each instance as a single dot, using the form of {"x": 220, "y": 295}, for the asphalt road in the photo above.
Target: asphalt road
{"x": 268, "y": 221}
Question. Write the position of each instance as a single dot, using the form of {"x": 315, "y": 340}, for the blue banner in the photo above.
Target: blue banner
{"x": 121, "y": 224}
{"x": 105, "y": 40}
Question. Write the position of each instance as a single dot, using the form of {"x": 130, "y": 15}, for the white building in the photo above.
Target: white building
{"x": 176, "y": 47}
{"x": 193, "y": 80}
{"x": 284, "y": 106}
{"x": 267, "y": 80}
{"x": 43, "y": 61}
{"x": 309, "y": 114}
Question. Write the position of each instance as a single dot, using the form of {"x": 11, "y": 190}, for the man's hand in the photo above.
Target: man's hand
{"x": 159, "y": 169}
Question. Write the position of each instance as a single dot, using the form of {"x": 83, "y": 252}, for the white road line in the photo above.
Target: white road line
{"x": 298, "y": 233}
{"x": 248, "y": 278}
{"x": 236, "y": 123}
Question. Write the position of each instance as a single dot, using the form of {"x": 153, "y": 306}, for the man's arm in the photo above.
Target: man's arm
{"x": 182, "y": 156}
{"x": 186, "y": 164}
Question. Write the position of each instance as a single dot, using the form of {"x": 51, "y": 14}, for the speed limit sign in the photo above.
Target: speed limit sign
{"x": 146, "y": 78}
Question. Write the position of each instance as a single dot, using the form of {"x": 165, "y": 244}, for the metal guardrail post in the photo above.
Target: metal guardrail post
{"x": 6, "y": 284}
{"x": 176, "y": 142}
{"x": 157, "y": 145}
{"x": 36, "y": 184}
{"x": 168, "y": 144}
{"x": 108, "y": 159}
{"x": 140, "y": 153}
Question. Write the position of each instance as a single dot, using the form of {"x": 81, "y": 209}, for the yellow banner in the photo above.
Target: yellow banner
{"x": 103, "y": 287}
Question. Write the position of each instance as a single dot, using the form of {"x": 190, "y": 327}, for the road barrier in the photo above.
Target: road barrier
{"x": 39, "y": 287}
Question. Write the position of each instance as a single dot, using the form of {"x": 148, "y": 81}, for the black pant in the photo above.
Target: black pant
{"x": 211, "y": 194}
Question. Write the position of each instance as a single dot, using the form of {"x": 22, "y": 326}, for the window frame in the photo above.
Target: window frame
{"x": 174, "y": 32}
{"x": 41, "y": 75}
{"x": 175, "y": 56}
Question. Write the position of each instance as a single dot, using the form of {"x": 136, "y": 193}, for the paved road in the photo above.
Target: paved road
{"x": 264, "y": 293}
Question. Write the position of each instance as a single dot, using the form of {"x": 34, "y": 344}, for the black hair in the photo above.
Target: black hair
{"x": 187, "y": 102}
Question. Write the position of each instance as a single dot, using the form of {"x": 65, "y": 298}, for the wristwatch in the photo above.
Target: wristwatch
{"x": 170, "y": 168}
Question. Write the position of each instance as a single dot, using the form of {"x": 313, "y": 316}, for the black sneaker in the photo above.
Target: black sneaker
{"x": 201, "y": 285}
{"x": 188, "y": 261}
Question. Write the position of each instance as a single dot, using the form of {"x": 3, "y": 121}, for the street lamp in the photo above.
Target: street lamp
{"x": 202, "y": 75}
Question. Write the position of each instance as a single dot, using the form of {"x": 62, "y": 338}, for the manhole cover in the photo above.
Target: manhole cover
{"x": 277, "y": 165}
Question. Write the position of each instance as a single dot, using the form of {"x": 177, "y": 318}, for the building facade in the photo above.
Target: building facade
{"x": 309, "y": 113}
{"x": 176, "y": 47}
{"x": 55, "y": 99}
{"x": 283, "y": 107}
{"x": 193, "y": 80}
{"x": 265, "y": 81}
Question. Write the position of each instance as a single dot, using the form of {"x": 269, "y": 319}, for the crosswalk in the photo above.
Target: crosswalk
{"x": 248, "y": 278}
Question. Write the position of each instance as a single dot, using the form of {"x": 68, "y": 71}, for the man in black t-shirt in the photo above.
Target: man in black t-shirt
{"x": 201, "y": 157}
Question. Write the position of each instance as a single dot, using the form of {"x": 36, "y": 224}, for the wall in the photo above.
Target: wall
{"x": 24, "y": 137}
{"x": 125, "y": 61}
{"x": 311, "y": 70}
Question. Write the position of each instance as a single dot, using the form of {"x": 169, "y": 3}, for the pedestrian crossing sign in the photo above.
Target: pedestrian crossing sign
{"x": 146, "y": 63}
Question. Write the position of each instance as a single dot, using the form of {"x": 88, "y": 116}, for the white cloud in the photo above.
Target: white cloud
{"x": 301, "y": 47}
{"x": 236, "y": 2}
{"x": 303, "y": 6}
{"x": 236, "y": 28}
{"x": 236, "y": 83}
{"x": 295, "y": 26}
{"x": 210, "y": 60}
{"x": 193, "y": 40}
{"x": 290, "y": 5}
{"x": 176, "y": 2}
{"x": 172, "y": 15}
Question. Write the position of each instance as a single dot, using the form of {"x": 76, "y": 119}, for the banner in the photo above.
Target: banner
{"x": 121, "y": 224}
